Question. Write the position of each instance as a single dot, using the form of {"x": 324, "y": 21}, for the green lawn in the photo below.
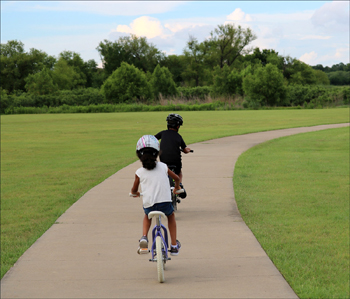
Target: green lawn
{"x": 50, "y": 161}
{"x": 293, "y": 193}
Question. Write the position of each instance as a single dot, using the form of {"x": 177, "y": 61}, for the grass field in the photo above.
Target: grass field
{"x": 293, "y": 193}
{"x": 50, "y": 161}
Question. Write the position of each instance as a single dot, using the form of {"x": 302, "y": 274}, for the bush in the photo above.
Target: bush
{"x": 162, "y": 82}
{"x": 199, "y": 92}
{"x": 126, "y": 84}
{"x": 346, "y": 95}
{"x": 265, "y": 87}
{"x": 74, "y": 97}
{"x": 339, "y": 78}
{"x": 40, "y": 83}
{"x": 4, "y": 100}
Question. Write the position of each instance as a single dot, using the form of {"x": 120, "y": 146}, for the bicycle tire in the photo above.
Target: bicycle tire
{"x": 160, "y": 262}
{"x": 174, "y": 201}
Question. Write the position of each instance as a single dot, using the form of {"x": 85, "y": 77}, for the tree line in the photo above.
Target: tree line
{"x": 223, "y": 65}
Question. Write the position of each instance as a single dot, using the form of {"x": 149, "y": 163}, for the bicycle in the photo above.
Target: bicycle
{"x": 160, "y": 243}
{"x": 174, "y": 197}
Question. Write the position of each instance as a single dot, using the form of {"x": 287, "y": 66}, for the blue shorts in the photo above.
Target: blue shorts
{"x": 165, "y": 207}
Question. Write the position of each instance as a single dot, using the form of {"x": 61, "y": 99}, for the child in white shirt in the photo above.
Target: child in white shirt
{"x": 153, "y": 178}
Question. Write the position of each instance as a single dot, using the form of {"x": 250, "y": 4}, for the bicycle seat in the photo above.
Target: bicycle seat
{"x": 155, "y": 213}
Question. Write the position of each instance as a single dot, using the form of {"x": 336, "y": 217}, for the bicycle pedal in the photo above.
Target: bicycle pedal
{"x": 142, "y": 251}
{"x": 178, "y": 200}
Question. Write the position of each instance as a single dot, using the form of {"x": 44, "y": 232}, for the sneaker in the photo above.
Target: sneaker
{"x": 143, "y": 245}
{"x": 175, "y": 250}
{"x": 184, "y": 194}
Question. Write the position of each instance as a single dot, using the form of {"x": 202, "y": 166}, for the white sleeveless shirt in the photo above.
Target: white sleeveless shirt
{"x": 155, "y": 185}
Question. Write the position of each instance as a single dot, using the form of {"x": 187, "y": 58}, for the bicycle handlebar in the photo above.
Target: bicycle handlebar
{"x": 134, "y": 195}
{"x": 172, "y": 188}
{"x": 178, "y": 191}
{"x": 191, "y": 151}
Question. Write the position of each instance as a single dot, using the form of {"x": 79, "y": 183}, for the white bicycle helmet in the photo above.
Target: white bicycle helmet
{"x": 148, "y": 141}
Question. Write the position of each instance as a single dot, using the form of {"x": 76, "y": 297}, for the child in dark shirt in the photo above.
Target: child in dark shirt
{"x": 170, "y": 145}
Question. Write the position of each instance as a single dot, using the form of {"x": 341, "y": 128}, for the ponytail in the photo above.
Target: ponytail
{"x": 148, "y": 157}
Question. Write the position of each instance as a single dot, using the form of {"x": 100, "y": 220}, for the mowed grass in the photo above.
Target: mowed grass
{"x": 293, "y": 193}
{"x": 49, "y": 161}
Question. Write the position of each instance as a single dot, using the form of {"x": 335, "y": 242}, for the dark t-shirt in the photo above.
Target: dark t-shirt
{"x": 171, "y": 142}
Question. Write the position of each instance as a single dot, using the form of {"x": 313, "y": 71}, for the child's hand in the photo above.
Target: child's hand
{"x": 137, "y": 194}
{"x": 176, "y": 189}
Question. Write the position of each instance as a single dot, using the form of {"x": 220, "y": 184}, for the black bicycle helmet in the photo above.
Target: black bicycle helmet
{"x": 174, "y": 120}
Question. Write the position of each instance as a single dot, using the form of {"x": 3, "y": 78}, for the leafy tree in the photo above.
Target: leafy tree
{"x": 16, "y": 64}
{"x": 74, "y": 60}
{"x": 319, "y": 67}
{"x": 126, "y": 83}
{"x": 236, "y": 80}
{"x": 339, "y": 78}
{"x": 195, "y": 70}
{"x": 65, "y": 76}
{"x": 5, "y": 101}
{"x": 265, "y": 87}
{"x": 162, "y": 82}
{"x": 302, "y": 73}
{"x": 264, "y": 57}
{"x": 227, "y": 43}
{"x": 40, "y": 83}
{"x": 92, "y": 74}
{"x": 132, "y": 50}
{"x": 112, "y": 55}
{"x": 321, "y": 77}
{"x": 98, "y": 77}
{"x": 176, "y": 65}
{"x": 338, "y": 67}
{"x": 222, "y": 84}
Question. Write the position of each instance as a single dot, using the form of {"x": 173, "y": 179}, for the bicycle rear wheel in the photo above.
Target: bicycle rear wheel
{"x": 174, "y": 201}
{"x": 160, "y": 262}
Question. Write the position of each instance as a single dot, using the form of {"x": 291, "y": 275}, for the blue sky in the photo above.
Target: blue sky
{"x": 316, "y": 32}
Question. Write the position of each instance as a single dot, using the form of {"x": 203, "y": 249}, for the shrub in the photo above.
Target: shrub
{"x": 126, "y": 83}
{"x": 162, "y": 82}
{"x": 200, "y": 92}
{"x": 265, "y": 87}
{"x": 40, "y": 83}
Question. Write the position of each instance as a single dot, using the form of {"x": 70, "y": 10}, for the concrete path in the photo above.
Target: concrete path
{"x": 91, "y": 251}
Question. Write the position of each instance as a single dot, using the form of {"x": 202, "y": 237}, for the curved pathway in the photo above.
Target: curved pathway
{"x": 91, "y": 250}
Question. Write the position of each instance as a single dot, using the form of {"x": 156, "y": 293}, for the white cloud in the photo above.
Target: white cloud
{"x": 239, "y": 15}
{"x": 309, "y": 58}
{"x": 342, "y": 54}
{"x": 327, "y": 59}
{"x": 332, "y": 17}
{"x": 282, "y": 17}
{"x": 143, "y": 26}
{"x": 314, "y": 37}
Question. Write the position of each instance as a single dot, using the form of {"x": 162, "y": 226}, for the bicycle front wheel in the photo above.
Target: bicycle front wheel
{"x": 160, "y": 263}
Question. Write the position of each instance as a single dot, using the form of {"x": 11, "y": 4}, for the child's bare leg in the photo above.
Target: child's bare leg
{"x": 180, "y": 176}
{"x": 172, "y": 228}
{"x": 146, "y": 225}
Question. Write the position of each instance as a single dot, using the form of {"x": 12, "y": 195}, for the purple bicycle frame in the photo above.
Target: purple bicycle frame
{"x": 157, "y": 232}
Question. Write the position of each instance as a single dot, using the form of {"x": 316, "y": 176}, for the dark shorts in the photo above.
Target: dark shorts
{"x": 165, "y": 207}
{"x": 178, "y": 166}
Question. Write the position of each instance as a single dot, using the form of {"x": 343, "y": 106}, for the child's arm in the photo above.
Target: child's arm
{"x": 135, "y": 187}
{"x": 176, "y": 179}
